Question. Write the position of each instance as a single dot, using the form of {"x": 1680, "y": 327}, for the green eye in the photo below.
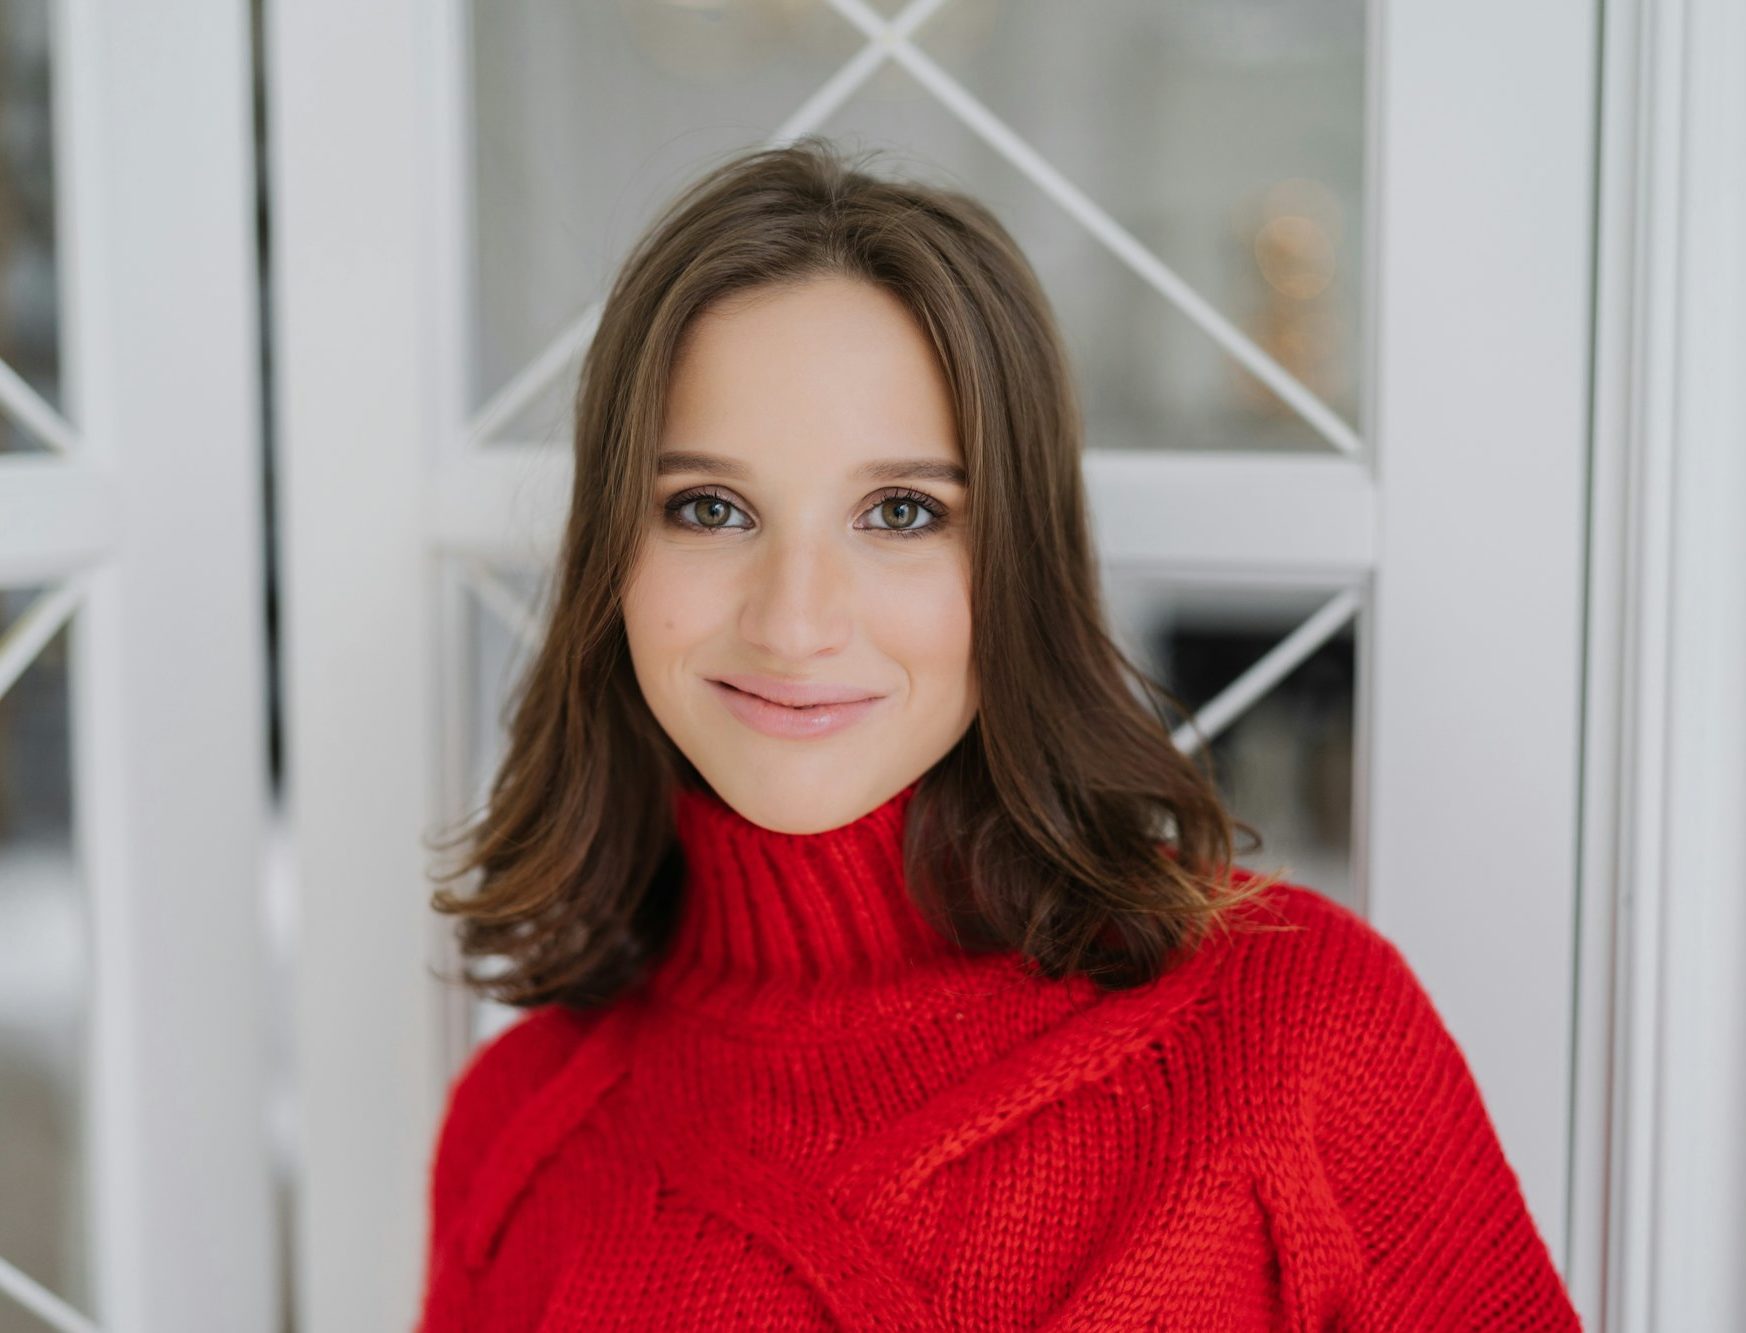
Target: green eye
{"x": 717, "y": 506}
{"x": 909, "y": 512}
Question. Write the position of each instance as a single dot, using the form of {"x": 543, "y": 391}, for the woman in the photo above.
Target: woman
{"x": 885, "y": 964}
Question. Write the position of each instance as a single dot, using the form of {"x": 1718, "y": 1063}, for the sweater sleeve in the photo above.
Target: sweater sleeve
{"x": 496, "y": 1078}
{"x": 1415, "y": 1162}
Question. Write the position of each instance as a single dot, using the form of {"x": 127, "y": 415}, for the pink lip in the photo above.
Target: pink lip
{"x": 795, "y": 693}
{"x": 788, "y": 722}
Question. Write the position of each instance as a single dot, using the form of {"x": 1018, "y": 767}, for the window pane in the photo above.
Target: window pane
{"x": 1284, "y": 765}
{"x": 1227, "y": 138}
{"x": 45, "y": 986}
{"x": 29, "y": 299}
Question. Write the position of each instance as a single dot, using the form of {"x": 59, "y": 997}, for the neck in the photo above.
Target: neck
{"x": 789, "y": 932}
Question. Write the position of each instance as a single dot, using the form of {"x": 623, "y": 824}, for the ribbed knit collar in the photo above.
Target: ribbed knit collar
{"x": 805, "y": 933}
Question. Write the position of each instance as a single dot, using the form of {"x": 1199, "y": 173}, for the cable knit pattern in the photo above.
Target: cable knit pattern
{"x": 819, "y": 1113}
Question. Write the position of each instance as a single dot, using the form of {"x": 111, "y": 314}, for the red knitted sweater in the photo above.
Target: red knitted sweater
{"x": 819, "y": 1113}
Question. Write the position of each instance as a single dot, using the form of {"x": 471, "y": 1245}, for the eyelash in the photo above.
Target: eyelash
{"x": 933, "y": 506}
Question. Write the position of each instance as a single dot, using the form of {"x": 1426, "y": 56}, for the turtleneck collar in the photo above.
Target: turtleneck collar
{"x": 784, "y": 932}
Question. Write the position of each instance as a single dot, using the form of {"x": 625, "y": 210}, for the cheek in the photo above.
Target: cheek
{"x": 924, "y": 623}
{"x": 664, "y": 612}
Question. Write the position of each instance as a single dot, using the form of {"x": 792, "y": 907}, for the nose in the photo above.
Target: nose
{"x": 798, "y": 598}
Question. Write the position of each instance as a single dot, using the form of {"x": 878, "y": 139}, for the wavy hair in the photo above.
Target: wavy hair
{"x": 1065, "y": 825}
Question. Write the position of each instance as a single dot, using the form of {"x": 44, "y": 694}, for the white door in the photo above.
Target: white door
{"x": 1324, "y": 270}
{"x": 135, "y": 1182}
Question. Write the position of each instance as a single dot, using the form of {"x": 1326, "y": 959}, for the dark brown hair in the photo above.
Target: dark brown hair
{"x": 1065, "y": 824}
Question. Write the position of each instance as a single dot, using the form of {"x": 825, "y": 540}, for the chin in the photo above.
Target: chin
{"x": 795, "y": 798}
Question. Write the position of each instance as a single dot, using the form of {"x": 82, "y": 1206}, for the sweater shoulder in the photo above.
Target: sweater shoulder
{"x": 1300, "y": 905}
{"x": 498, "y": 1076}
{"x": 1323, "y": 1003}
{"x": 517, "y": 1058}
{"x": 1360, "y": 1064}
{"x": 1308, "y": 977}
{"x": 1296, "y": 929}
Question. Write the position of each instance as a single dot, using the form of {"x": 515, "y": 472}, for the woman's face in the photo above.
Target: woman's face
{"x": 807, "y": 540}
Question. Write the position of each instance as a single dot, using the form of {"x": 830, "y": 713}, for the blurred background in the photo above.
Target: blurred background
{"x": 1413, "y": 594}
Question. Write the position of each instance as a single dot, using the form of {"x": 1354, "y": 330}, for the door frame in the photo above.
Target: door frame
{"x": 144, "y": 517}
{"x": 1479, "y": 368}
{"x": 1661, "y": 1073}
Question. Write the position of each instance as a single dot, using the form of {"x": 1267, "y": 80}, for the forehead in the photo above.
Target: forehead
{"x": 829, "y": 369}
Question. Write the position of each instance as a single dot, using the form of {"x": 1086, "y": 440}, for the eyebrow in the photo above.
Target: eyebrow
{"x": 883, "y": 469}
